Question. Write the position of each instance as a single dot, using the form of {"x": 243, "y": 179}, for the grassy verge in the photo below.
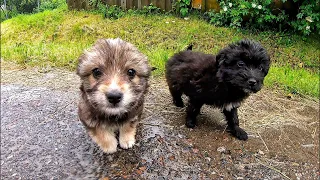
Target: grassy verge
{"x": 57, "y": 38}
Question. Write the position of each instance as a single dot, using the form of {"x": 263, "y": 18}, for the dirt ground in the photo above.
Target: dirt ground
{"x": 283, "y": 135}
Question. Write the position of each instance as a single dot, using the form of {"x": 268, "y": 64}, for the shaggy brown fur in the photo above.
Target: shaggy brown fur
{"x": 224, "y": 80}
{"x": 114, "y": 79}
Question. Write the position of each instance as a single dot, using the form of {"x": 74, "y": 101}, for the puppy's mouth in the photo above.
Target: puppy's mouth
{"x": 250, "y": 90}
{"x": 114, "y": 105}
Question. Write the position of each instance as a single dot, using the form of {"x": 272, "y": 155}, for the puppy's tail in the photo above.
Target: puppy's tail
{"x": 189, "y": 48}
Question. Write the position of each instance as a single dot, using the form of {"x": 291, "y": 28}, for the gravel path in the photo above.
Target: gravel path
{"x": 41, "y": 138}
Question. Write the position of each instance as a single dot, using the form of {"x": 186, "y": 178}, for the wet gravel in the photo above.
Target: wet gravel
{"x": 41, "y": 138}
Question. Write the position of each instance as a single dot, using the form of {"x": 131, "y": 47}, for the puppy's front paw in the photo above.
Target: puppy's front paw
{"x": 109, "y": 149}
{"x": 127, "y": 143}
{"x": 178, "y": 103}
{"x": 109, "y": 145}
{"x": 239, "y": 133}
{"x": 190, "y": 123}
{"x": 105, "y": 140}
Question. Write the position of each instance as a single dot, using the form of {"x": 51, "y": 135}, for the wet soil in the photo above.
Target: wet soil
{"x": 41, "y": 137}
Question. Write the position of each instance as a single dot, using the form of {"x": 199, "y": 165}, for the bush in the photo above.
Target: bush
{"x": 6, "y": 14}
{"x": 182, "y": 6}
{"x": 263, "y": 15}
{"x": 25, "y": 6}
{"x": 151, "y": 9}
{"x": 112, "y": 12}
{"x": 116, "y": 12}
{"x": 15, "y": 7}
{"x": 51, "y": 4}
{"x": 308, "y": 18}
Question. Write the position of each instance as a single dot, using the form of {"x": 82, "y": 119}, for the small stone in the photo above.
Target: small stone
{"x": 171, "y": 158}
{"x": 195, "y": 150}
{"x": 261, "y": 152}
{"x": 142, "y": 168}
{"x": 240, "y": 167}
{"x": 221, "y": 149}
{"x": 298, "y": 175}
{"x": 110, "y": 158}
{"x": 138, "y": 171}
{"x": 295, "y": 164}
{"x": 307, "y": 145}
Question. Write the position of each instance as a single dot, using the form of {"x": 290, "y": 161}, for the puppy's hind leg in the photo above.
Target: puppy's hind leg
{"x": 233, "y": 124}
{"x": 176, "y": 96}
{"x": 193, "y": 110}
{"x": 105, "y": 138}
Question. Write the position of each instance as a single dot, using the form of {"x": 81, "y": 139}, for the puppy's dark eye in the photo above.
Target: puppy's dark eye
{"x": 96, "y": 73}
{"x": 241, "y": 64}
{"x": 131, "y": 73}
{"x": 260, "y": 68}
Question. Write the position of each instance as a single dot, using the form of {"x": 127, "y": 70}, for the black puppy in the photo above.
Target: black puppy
{"x": 224, "y": 80}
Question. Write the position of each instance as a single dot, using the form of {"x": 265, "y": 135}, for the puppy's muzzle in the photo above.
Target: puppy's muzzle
{"x": 252, "y": 82}
{"x": 253, "y": 85}
{"x": 114, "y": 97}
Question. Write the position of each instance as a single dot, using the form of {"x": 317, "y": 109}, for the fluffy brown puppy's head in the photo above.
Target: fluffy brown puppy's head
{"x": 114, "y": 76}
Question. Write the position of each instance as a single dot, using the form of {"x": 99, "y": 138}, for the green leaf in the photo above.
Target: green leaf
{"x": 184, "y": 12}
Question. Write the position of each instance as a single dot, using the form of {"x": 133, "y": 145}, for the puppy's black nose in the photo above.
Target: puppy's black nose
{"x": 114, "y": 97}
{"x": 252, "y": 82}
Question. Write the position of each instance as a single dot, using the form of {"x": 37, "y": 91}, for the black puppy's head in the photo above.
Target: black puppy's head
{"x": 243, "y": 65}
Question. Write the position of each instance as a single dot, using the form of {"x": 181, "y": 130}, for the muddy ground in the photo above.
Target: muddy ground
{"x": 41, "y": 137}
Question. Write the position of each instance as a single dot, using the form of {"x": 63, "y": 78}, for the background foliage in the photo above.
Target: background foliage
{"x": 15, "y": 7}
{"x": 55, "y": 38}
{"x": 302, "y": 17}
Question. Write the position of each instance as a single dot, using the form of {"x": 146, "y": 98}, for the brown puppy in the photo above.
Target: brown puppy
{"x": 114, "y": 79}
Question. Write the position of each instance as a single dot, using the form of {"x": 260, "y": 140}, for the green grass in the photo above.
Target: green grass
{"x": 57, "y": 38}
{"x": 296, "y": 81}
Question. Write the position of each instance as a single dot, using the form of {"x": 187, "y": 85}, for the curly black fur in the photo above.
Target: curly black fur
{"x": 224, "y": 80}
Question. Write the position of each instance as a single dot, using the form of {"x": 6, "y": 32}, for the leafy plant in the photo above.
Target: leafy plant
{"x": 183, "y": 7}
{"x": 151, "y": 9}
{"x": 51, "y": 4}
{"x": 261, "y": 15}
{"x": 308, "y": 18}
{"x": 8, "y": 13}
{"x": 111, "y": 12}
{"x": 16, "y": 7}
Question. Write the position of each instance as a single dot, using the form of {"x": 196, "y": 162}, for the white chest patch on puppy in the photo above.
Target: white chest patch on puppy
{"x": 231, "y": 106}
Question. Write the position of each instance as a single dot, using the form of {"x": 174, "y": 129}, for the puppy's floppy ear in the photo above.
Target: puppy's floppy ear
{"x": 220, "y": 58}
